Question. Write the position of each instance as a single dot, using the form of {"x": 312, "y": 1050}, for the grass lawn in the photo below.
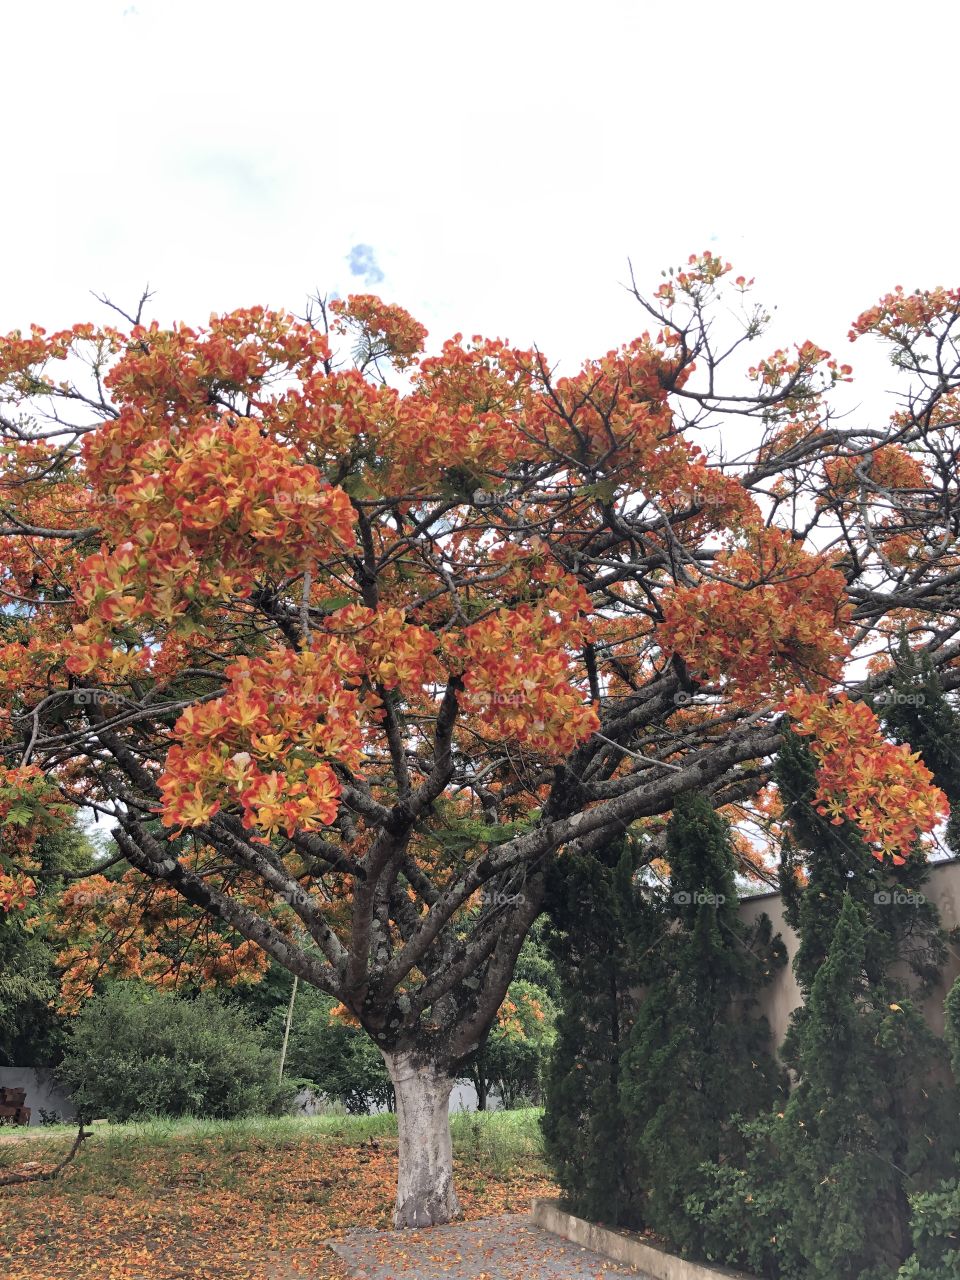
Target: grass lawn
{"x": 235, "y": 1200}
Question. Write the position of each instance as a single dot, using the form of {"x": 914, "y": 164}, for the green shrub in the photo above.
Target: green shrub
{"x": 135, "y": 1052}
{"x": 935, "y": 1223}
{"x": 935, "y": 1215}
{"x": 820, "y": 1192}
{"x": 744, "y": 1216}
{"x": 336, "y": 1056}
{"x": 952, "y": 1031}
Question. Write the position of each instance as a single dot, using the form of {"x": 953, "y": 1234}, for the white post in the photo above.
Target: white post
{"x": 286, "y": 1029}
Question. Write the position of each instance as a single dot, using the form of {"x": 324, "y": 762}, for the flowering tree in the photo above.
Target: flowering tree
{"x": 349, "y": 653}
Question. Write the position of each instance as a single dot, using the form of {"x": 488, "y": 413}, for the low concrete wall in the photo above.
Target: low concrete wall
{"x": 654, "y": 1262}
{"x": 782, "y": 996}
{"x": 42, "y": 1091}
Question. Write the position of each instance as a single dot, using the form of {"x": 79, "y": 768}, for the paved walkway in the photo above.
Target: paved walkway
{"x": 506, "y": 1247}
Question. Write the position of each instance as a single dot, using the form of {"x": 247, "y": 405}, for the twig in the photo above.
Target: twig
{"x": 47, "y": 1175}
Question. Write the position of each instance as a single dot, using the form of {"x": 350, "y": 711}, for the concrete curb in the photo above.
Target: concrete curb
{"x": 655, "y": 1262}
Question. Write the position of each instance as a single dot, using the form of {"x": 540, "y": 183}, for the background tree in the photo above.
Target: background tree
{"x": 330, "y": 1051}
{"x": 698, "y": 1054}
{"x": 514, "y": 1057}
{"x": 599, "y": 924}
{"x": 347, "y": 653}
{"x": 31, "y": 1034}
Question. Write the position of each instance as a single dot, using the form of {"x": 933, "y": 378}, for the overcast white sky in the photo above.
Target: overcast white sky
{"x": 501, "y": 160}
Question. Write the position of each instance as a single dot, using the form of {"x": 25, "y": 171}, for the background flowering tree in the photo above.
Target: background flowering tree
{"x": 348, "y": 654}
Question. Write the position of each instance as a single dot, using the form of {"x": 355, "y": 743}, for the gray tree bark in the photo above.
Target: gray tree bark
{"x": 425, "y": 1191}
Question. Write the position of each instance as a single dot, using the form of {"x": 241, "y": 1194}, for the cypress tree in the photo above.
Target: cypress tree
{"x": 844, "y": 1150}
{"x": 593, "y": 909}
{"x": 916, "y": 710}
{"x": 822, "y": 1190}
{"x": 821, "y": 865}
{"x": 698, "y": 1053}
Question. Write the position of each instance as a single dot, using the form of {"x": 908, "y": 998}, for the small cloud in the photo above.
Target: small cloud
{"x": 362, "y": 262}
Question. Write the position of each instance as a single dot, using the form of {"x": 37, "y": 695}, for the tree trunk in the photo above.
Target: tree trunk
{"x": 425, "y": 1191}
{"x": 479, "y": 1082}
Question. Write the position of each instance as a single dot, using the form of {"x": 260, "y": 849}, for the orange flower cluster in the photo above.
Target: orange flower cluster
{"x": 770, "y": 614}
{"x": 391, "y": 651}
{"x": 30, "y": 806}
{"x": 15, "y": 892}
{"x": 330, "y": 418}
{"x": 898, "y": 313}
{"x": 613, "y": 417}
{"x": 390, "y": 330}
{"x": 704, "y": 270}
{"x": 889, "y": 467}
{"x": 133, "y": 928}
{"x": 264, "y": 744}
{"x": 882, "y": 787}
{"x": 22, "y": 360}
{"x": 185, "y": 370}
{"x": 196, "y": 517}
{"x": 515, "y": 668}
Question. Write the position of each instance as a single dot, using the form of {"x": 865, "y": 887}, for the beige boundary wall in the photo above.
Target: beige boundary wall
{"x": 654, "y": 1263}
{"x": 780, "y": 999}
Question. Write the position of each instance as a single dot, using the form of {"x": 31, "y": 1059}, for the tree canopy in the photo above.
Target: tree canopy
{"x": 348, "y": 653}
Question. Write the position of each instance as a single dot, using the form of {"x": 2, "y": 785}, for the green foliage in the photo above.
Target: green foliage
{"x": 838, "y": 1151}
{"x": 820, "y": 1186}
{"x": 741, "y": 1209}
{"x": 821, "y": 1191}
{"x": 513, "y": 1059}
{"x": 916, "y": 710}
{"x": 135, "y": 1052}
{"x": 31, "y": 1034}
{"x": 952, "y": 1031}
{"x": 502, "y": 1142}
{"x": 338, "y": 1057}
{"x": 594, "y": 909}
{"x": 515, "y": 1054}
{"x": 643, "y": 1091}
{"x": 935, "y": 1224}
{"x": 935, "y": 1214}
{"x": 698, "y": 1053}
